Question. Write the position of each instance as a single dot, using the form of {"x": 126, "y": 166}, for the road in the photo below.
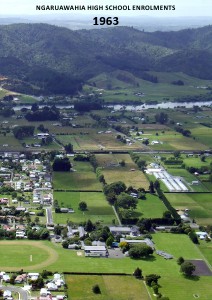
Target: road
{"x": 23, "y": 295}
{"x": 49, "y": 217}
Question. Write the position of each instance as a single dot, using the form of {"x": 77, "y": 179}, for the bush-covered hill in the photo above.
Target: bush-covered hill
{"x": 59, "y": 60}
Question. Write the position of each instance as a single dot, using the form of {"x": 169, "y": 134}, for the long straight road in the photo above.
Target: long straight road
{"x": 49, "y": 217}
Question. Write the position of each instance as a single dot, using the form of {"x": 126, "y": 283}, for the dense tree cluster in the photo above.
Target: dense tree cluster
{"x": 61, "y": 164}
{"x": 21, "y": 132}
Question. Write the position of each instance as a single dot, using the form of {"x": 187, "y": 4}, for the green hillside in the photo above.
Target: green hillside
{"x": 58, "y": 60}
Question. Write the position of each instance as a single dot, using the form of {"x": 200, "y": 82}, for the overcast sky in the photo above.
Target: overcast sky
{"x": 183, "y": 7}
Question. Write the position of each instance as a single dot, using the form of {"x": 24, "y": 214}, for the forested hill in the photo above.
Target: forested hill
{"x": 46, "y": 55}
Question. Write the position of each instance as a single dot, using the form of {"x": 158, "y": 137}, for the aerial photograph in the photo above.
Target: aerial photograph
{"x": 105, "y": 150}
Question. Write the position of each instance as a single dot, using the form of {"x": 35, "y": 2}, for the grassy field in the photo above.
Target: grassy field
{"x": 82, "y": 179}
{"x": 31, "y": 255}
{"x": 125, "y": 90}
{"x": 98, "y": 208}
{"x": 172, "y": 283}
{"x": 200, "y": 206}
{"x": 129, "y": 174}
{"x": 152, "y": 207}
{"x": 112, "y": 287}
{"x": 95, "y": 141}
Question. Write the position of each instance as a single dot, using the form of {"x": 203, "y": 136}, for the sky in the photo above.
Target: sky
{"x": 183, "y": 7}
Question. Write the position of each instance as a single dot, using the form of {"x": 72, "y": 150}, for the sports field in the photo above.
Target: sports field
{"x": 27, "y": 255}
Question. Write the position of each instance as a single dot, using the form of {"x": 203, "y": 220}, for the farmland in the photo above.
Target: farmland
{"x": 199, "y": 205}
{"x": 98, "y": 208}
{"x": 130, "y": 173}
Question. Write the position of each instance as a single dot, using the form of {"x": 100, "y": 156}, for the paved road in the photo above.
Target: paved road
{"x": 23, "y": 295}
{"x": 49, "y": 217}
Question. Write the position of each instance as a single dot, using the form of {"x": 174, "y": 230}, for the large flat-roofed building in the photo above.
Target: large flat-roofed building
{"x": 96, "y": 251}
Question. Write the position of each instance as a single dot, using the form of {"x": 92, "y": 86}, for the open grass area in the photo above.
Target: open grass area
{"x": 83, "y": 178}
{"x": 98, "y": 208}
{"x": 31, "y": 255}
{"x": 172, "y": 283}
{"x": 129, "y": 174}
{"x": 152, "y": 207}
{"x": 112, "y": 287}
{"x": 200, "y": 206}
{"x": 125, "y": 90}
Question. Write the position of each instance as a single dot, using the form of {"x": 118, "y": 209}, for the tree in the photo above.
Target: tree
{"x": 115, "y": 187}
{"x": 69, "y": 148}
{"x": 155, "y": 289}
{"x": 109, "y": 241}
{"x": 96, "y": 289}
{"x": 61, "y": 165}
{"x": 83, "y": 206}
{"x": 176, "y": 154}
{"x": 57, "y": 229}
{"x": 138, "y": 251}
{"x": 187, "y": 268}
{"x": 167, "y": 214}
{"x": 21, "y": 132}
{"x": 156, "y": 184}
{"x": 65, "y": 244}
{"x": 126, "y": 201}
{"x": 138, "y": 273}
{"x": 180, "y": 260}
{"x": 193, "y": 237}
{"x": 151, "y": 187}
{"x": 89, "y": 226}
{"x": 152, "y": 278}
{"x": 161, "y": 118}
{"x": 122, "y": 163}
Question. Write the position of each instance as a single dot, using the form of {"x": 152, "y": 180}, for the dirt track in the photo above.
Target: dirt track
{"x": 53, "y": 255}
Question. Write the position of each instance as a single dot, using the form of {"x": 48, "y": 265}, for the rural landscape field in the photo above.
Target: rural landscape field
{"x": 105, "y": 162}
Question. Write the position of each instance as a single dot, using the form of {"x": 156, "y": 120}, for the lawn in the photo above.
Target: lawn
{"x": 112, "y": 287}
{"x": 98, "y": 208}
{"x": 83, "y": 178}
{"x": 200, "y": 206}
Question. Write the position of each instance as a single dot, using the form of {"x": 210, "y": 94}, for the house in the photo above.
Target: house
{"x": 57, "y": 276}
{"x": 20, "y": 278}
{"x": 44, "y": 292}
{"x": 52, "y": 286}
{"x": 7, "y": 294}
{"x": 195, "y": 182}
{"x": 33, "y": 276}
{"x": 20, "y": 234}
{"x": 64, "y": 210}
{"x": 6, "y": 278}
{"x": 96, "y": 251}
